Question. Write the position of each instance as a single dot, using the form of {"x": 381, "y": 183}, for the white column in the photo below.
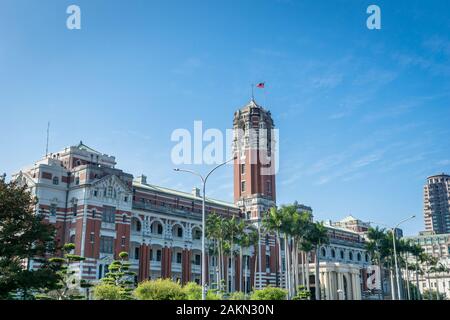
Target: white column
{"x": 341, "y": 292}
{"x": 326, "y": 284}
{"x": 358, "y": 287}
{"x": 354, "y": 285}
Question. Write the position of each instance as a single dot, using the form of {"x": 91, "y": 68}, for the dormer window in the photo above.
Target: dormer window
{"x": 55, "y": 181}
{"x": 110, "y": 191}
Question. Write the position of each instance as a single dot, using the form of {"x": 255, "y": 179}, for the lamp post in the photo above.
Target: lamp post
{"x": 395, "y": 252}
{"x": 204, "y": 180}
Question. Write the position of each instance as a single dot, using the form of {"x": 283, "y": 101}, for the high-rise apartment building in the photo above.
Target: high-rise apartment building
{"x": 437, "y": 203}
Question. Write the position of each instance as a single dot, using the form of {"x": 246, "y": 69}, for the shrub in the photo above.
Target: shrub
{"x": 212, "y": 295}
{"x": 192, "y": 291}
{"x": 160, "y": 289}
{"x": 269, "y": 293}
{"x": 238, "y": 295}
{"x": 105, "y": 291}
{"x": 302, "y": 294}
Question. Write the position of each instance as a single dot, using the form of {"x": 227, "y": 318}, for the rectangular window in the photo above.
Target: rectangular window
{"x": 198, "y": 259}
{"x": 109, "y": 214}
{"x": 53, "y": 210}
{"x": 178, "y": 257}
{"x": 123, "y": 242}
{"x": 158, "y": 255}
{"x": 74, "y": 209}
{"x": 92, "y": 237}
{"x": 269, "y": 186}
{"x": 106, "y": 244}
{"x": 267, "y": 261}
{"x": 242, "y": 186}
{"x": 136, "y": 253}
{"x": 243, "y": 168}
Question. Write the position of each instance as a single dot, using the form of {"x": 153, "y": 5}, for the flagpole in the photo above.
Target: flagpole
{"x": 253, "y": 96}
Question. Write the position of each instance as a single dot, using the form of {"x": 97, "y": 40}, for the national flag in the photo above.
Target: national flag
{"x": 260, "y": 85}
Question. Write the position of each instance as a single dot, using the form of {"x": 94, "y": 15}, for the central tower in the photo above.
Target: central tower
{"x": 254, "y": 166}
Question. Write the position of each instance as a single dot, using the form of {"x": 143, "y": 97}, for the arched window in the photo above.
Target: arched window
{"x": 124, "y": 218}
{"x": 333, "y": 253}
{"x": 367, "y": 257}
{"x": 157, "y": 228}
{"x": 197, "y": 234}
{"x": 324, "y": 252}
{"x": 350, "y": 255}
{"x": 342, "y": 254}
{"x": 136, "y": 224}
{"x": 178, "y": 231}
{"x": 358, "y": 256}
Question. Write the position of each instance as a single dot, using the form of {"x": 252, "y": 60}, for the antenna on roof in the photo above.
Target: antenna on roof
{"x": 48, "y": 134}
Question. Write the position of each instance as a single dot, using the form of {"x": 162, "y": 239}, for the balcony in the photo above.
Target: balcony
{"x": 166, "y": 210}
{"x": 155, "y": 265}
{"x": 196, "y": 268}
{"x": 176, "y": 267}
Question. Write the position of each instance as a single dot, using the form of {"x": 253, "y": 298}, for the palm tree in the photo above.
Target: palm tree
{"x": 318, "y": 236}
{"x": 273, "y": 223}
{"x": 376, "y": 246}
{"x": 417, "y": 252}
{"x": 253, "y": 240}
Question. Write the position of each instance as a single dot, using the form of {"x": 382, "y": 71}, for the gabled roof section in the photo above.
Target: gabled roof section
{"x": 114, "y": 178}
{"x": 349, "y": 218}
{"x": 84, "y": 147}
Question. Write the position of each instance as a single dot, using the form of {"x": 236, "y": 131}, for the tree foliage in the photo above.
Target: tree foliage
{"x": 120, "y": 276}
{"x": 68, "y": 280}
{"x": 104, "y": 291}
{"x": 160, "y": 289}
{"x": 269, "y": 293}
{"x": 23, "y": 236}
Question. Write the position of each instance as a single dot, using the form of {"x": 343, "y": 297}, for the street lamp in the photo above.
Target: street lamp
{"x": 395, "y": 251}
{"x": 204, "y": 179}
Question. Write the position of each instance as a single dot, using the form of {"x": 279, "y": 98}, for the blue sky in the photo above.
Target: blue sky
{"x": 363, "y": 115}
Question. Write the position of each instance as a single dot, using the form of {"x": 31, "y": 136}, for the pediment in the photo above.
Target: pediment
{"x": 112, "y": 181}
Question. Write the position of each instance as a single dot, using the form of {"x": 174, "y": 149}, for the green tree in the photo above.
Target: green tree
{"x": 273, "y": 222}
{"x": 302, "y": 294}
{"x": 317, "y": 236}
{"x": 160, "y": 289}
{"x": 23, "y": 236}
{"x": 269, "y": 293}
{"x": 433, "y": 295}
{"x": 68, "y": 284}
{"x": 119, "y": 275}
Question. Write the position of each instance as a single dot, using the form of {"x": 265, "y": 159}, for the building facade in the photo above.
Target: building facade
{"x": 437, "y": 203}
{"x": 438, "y": 246}
{"x": 105, "y": 211}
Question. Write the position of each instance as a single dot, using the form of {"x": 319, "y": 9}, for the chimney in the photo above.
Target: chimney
{"x": 196, "y": 192}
